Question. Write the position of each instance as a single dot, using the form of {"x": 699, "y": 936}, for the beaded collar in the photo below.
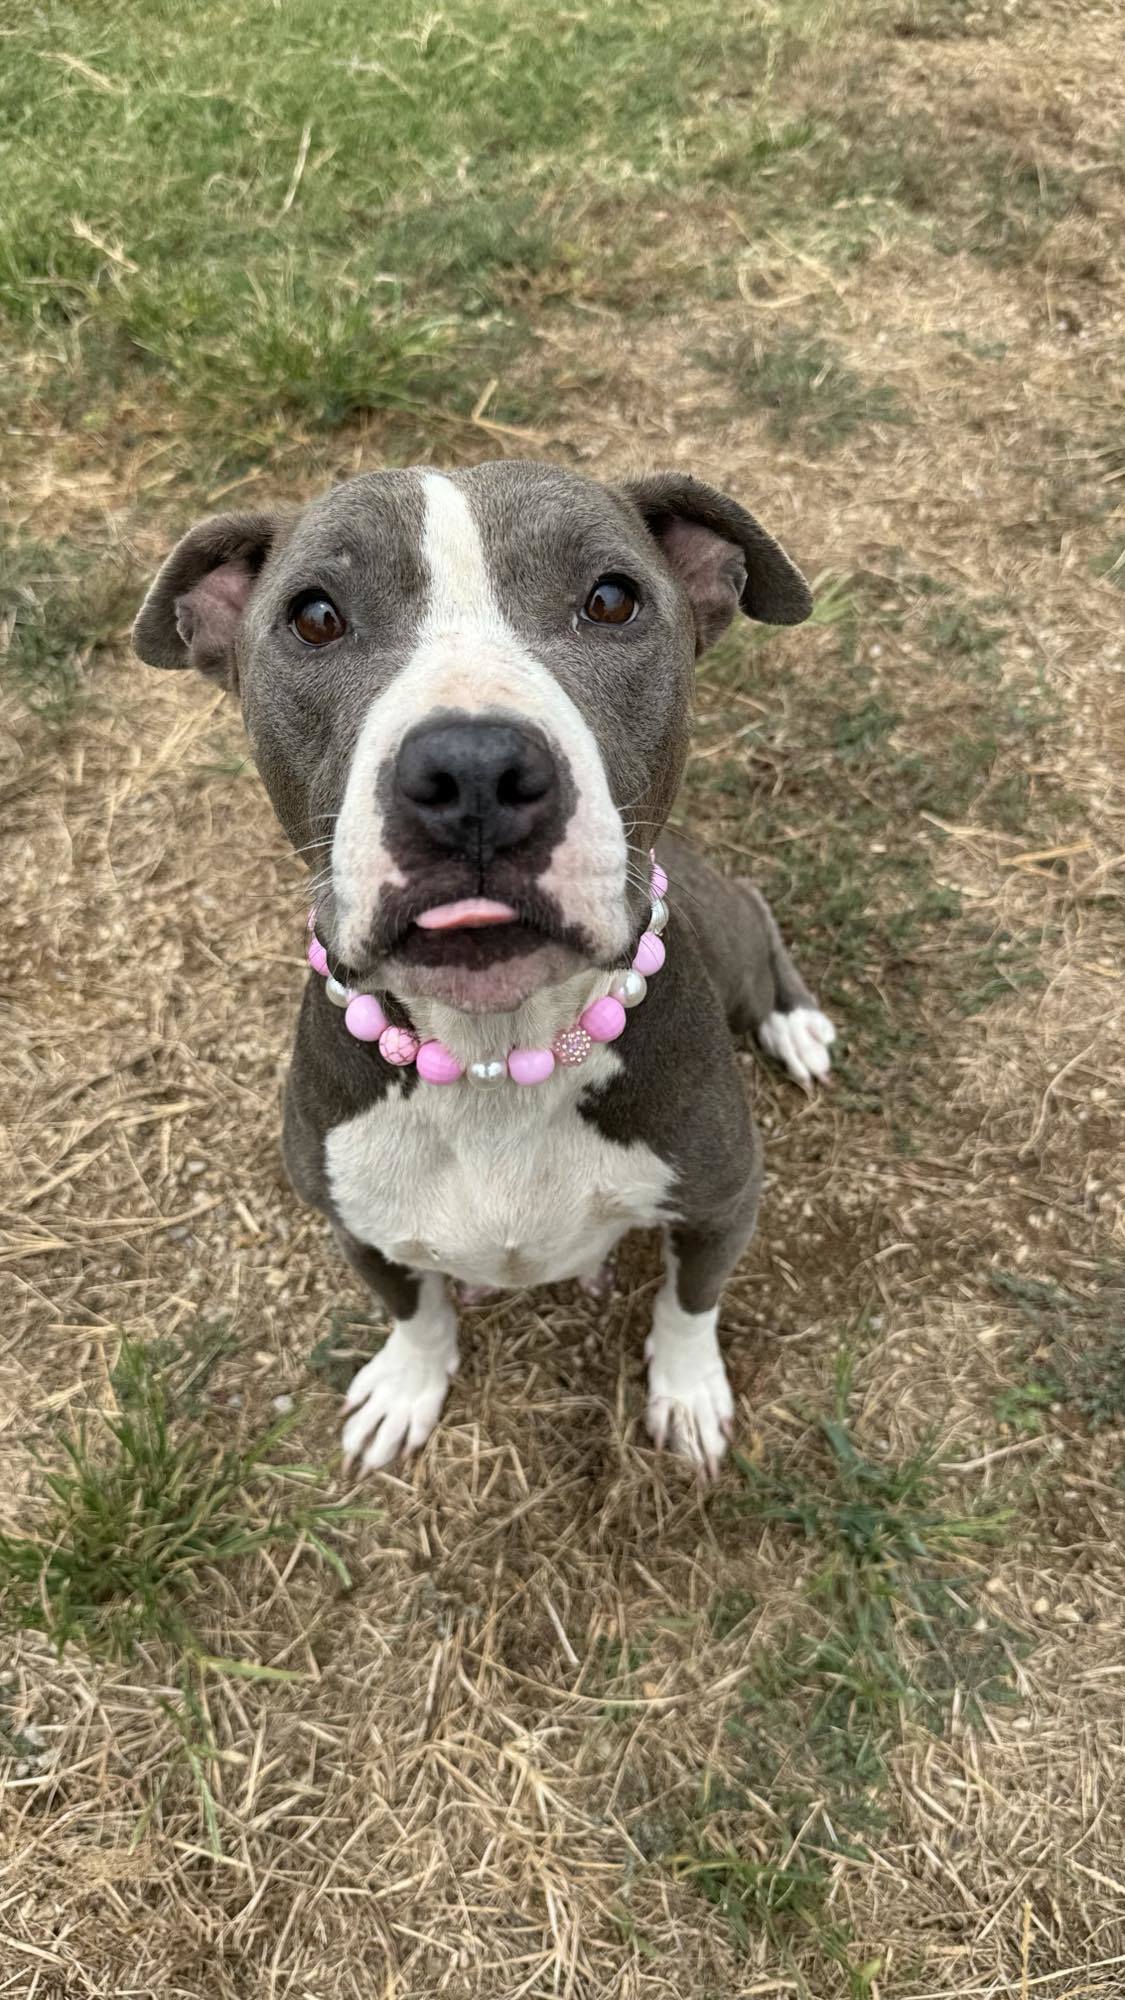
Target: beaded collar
{"x": 602, "y": 1021}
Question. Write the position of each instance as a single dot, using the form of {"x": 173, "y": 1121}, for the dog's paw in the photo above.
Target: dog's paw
{"x": 690, "y": 1406}
{"x": 395, "y": 1400}
{"x": 800, "y": 1041}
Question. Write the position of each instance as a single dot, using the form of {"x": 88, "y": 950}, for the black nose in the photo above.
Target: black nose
{"x": 475, "y": 787}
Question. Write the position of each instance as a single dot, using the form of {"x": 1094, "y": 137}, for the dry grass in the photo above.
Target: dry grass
{"x": 563, "y": 1678}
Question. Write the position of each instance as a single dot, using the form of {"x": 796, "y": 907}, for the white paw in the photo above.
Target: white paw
{"x": 800, "y": 1040}
{"x": 690, "y": 1405}
{"x": 395, "y": 1400}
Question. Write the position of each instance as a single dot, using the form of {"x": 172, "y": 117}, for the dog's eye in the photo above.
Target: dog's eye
{"x": 315, "y": 619}
{"x": 613, "y": 601}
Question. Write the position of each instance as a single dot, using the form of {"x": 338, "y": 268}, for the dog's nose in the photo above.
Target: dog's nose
{"x": 476, "y": 787}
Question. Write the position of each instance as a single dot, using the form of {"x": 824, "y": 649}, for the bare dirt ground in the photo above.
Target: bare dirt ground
{"x": 546, "y": 1700}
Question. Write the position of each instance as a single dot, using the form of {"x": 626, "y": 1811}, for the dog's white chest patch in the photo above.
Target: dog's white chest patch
{"x": 506, "y": 1187}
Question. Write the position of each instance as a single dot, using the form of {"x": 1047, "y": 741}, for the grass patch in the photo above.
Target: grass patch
{"x": 141, "y": 1514}
{"x": 806, "y": 391}
{"x": 1078, "y": 1354}
{"x": 235, "y": 243}
{"x": 59, "y": 602}
{"x": 1003, "y": 965}
{"x": 904, "y": 706}
{"x": 889, "y": 1636}
{"x": 137, "y": 1524}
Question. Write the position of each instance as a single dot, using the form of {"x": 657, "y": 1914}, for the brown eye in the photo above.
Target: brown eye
{"x": 315, "y": 619}
{"x": 613, "y": 601}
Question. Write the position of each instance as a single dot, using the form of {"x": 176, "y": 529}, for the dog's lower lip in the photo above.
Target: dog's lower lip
{"x": 470, "y": 913}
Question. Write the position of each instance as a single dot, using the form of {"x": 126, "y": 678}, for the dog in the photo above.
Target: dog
{"x": 470, "y": 692}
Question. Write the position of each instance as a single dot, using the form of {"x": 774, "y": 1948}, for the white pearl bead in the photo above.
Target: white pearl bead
{"x": 493, "y": 1070}
{"x": 339, "y": 995}
{"x": 630, "y": 989}
{"x": 659, "y": 918}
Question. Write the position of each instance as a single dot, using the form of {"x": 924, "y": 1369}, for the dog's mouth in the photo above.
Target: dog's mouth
{"x": 474, "y": 949}
{"x": 469, "y": 913}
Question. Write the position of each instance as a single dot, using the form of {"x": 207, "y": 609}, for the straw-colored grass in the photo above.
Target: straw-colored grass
{"x": 850, "y": 1725}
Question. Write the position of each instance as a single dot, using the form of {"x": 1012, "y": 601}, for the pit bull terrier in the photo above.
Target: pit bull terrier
{"x": 468, "y": 695}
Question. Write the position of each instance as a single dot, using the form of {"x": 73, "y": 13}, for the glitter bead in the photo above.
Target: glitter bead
{"x": 398, "y": 1046}
{"x": 530, "y": 1065}
{"x": 650, "y": 954}
{"x": 365, "y": 1018}
{"x": 658, "y": 921}
{"x": 603, "y": 1019}
{"x": 339, "y": 995}
{"x": 437, "y": 1064}
{"x": 630, "y": 988}
{"x": 571, "y": 1046}
{"x": 488, "y": 1073}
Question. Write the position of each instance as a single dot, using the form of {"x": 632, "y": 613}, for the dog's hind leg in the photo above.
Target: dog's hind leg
{"x": 758, "y": 983}
{"x": 775, "y": 1004}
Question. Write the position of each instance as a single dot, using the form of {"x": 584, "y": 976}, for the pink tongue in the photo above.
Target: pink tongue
{"x": 471, "y": 913}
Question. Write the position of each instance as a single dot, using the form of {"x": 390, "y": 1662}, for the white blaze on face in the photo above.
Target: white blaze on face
{"x": 468, "y": 657}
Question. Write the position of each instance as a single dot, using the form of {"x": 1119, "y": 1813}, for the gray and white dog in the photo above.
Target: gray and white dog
{"x": 472, "y": 692}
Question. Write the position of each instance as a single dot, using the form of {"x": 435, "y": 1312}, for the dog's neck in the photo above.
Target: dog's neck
{"x": 476, "y": 1037}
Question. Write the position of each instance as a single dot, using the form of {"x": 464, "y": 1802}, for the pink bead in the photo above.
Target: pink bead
{"x": 318, "y": 957}
{"x": 650, "y": 954}
{"x": 398, "y": 1046}
{"x": 437, "y": 1064}
{"x": 604, "y": 1019}
{"x": 530, "y": 1065}
{"x": 571, "y": 1046}
{"x": 659, "y": 880}
{"x": 365, "y": 1018}
{"x": 311, "y": 925}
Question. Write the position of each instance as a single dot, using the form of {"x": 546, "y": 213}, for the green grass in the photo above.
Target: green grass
{"x": 314, "y": 217}
{"x": 141, "y": 1513}
{"x": 808, "y": 394}
{"x": 138, "y": 1520}
{"x": 901, "y": 707}
{"x": 888, "y": 1637}
{"x": 1076, "y": 1348}
{"x": 59, "y": 602}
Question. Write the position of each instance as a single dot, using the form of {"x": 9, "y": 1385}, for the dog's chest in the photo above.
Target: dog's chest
{"x": 506, "y": 1187}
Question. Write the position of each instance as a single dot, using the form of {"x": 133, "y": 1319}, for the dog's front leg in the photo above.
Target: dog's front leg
{"x": 394, "y": 1401}
{"x": 690, "y": 1405}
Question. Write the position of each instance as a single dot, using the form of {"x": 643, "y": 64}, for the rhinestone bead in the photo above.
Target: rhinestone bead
{"x": 630, "y": 988}
{"x": 571, "y": 1046}
{"x": 488, "y": 1073}
{"x": 658, "y": 921}
{"x": 338, "y": 994}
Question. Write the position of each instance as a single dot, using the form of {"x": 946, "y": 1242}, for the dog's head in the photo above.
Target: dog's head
{"x": 468, "y": 698}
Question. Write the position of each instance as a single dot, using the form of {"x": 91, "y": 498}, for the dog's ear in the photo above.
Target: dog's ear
{"x": 721, "y": 555}
{"x": 193, "y": 610}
